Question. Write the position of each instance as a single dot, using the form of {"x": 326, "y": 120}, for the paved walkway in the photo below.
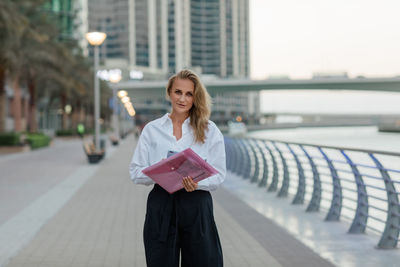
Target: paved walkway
{"x": 93, "y": 216}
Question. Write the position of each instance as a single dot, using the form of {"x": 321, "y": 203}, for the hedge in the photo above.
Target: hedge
{"x": 9, "y": 139}
{"x": 71, "y": 132}
{"x": 38, "y": 140}
{"x": 65, "y": 132}
{"x": 91, "y": 131}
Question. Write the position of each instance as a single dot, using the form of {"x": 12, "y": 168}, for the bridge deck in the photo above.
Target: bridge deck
{"x": 234, "y": 85}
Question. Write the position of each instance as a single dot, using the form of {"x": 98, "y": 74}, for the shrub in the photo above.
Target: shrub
{"x": 65, "y": 132}
{"x": 91, "y": 131}
{"x": 38, "y": 140}
{"x": 9, "y": 139}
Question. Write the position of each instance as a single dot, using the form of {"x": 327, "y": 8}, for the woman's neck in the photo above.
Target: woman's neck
{"x": 178, "y": 118}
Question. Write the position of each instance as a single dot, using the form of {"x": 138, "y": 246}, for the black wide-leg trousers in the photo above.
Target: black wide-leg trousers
{"x": 181, "y": 226}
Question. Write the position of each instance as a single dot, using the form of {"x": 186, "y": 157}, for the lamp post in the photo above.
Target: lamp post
{"x": 122, "y": 94}
{"x": 96, "y": 39}
{"x": 115, "y": 77}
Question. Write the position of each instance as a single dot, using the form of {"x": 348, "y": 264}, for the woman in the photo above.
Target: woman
{"x": 181, "y": 224}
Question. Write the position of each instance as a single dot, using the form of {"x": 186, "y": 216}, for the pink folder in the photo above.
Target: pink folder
{"x": 168, "y": 173}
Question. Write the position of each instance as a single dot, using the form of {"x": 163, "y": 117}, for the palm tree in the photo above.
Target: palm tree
{"x": 12, "y": 24}
{"x": 31, "y": 54}
{"x": 18, "y": 46}
{"x": 41, "y": 64}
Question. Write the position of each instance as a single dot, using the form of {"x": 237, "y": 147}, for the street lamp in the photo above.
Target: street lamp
{"x": 125, "y": 99}
{"x": 122, "y": 94}
{"x": 96, "y": 39}
{"x": 115, "y": 77}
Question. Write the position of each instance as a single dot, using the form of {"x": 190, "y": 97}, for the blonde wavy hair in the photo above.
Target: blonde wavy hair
{"x": 201, "y": 109}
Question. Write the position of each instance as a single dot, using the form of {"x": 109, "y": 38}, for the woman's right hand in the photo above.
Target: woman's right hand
{"x": 189, "y": 184}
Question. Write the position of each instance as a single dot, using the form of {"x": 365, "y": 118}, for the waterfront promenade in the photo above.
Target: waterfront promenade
{"x": 56, "y": 210}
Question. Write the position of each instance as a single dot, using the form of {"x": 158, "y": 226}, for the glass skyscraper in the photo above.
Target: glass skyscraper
{"x": 159, "y": 37}
{"x": 64, "y": 14}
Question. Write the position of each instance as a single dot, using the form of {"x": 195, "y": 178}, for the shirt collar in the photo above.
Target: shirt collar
{"x": 166, "y": 118}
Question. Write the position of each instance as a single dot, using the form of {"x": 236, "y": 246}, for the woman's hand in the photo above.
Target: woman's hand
{"x": 189, "y": 184}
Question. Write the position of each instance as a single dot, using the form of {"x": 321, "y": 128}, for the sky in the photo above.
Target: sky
{"x": 330, "y": 102}
{"x": 299, "y": 37}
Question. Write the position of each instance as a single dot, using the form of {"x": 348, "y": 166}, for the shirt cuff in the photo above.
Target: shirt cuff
{"x": 206, "y": 185}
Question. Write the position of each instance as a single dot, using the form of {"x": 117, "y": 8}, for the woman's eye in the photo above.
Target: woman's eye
{"x": 189, "y": 94}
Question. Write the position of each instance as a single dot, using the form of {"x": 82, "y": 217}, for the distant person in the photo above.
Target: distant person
{"x": 138, "y": 130}
{"x": 81, "y": 130}
{"x": 181, "y": 224}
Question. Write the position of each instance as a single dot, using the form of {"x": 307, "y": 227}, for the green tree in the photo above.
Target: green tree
{"x": 32, "y": 54}
{"x": 18, "y": 45}
{"x": 12, "y": 24}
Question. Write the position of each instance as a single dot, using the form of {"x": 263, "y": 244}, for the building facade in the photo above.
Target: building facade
{"x": 70, "y": 17}
{"x": 234, "y": 106}
{"x": 159, "y": 37}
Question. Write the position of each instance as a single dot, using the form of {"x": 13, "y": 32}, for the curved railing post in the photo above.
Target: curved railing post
{"x": 391, "y": 233}
{"x": 228, "y": 152}
{"x": 301, "y": 188}
{"x": 283, "y": 192}
{"x": 236, "y": 155}
{"x": 275, "y": 173}
{"x": 256, "y": 173}
{"x": 360, "y": 219}
{"x": 241, "y": 164}
{"x": 246, "y": 173}
{"x": 336, "y": 203}
{"x": 263, "y": 181}
{"x": 315, "y": 201}
{"x": 232, "y": 154}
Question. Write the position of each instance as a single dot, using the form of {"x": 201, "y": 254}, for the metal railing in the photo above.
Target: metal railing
{"x": 358, "y": 185}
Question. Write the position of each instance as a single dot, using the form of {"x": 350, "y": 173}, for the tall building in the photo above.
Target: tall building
{"x": 159, "y": 37}
{"x": 70, "y": 17}
{"x": 63, "y": 12}
{"x": 219, "y": 37}
{"x": 151, "y": 39}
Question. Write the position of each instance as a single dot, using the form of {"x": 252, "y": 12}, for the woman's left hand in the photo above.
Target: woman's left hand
{"x": 189, "y": 184}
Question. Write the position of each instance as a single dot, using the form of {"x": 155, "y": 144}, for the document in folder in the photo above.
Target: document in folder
{"x": 168, "y": 173}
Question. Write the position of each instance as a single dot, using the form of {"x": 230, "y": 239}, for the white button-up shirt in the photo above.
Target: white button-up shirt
{"x": 157, "y": 139}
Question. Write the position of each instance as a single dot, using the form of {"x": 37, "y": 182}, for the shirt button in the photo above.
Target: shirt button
{"x": 172, "y": 168}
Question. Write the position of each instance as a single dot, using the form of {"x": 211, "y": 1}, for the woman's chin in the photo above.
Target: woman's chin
{"x": 180, "y": 109}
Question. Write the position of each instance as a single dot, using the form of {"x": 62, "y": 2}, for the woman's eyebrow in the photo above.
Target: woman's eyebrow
{"x": 177, "y": 89}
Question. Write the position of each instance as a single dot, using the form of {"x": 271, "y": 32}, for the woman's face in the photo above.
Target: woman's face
{"x": 181, "y": 95}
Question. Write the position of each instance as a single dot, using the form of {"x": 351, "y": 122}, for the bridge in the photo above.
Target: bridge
{"x": 221, "y": 86}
